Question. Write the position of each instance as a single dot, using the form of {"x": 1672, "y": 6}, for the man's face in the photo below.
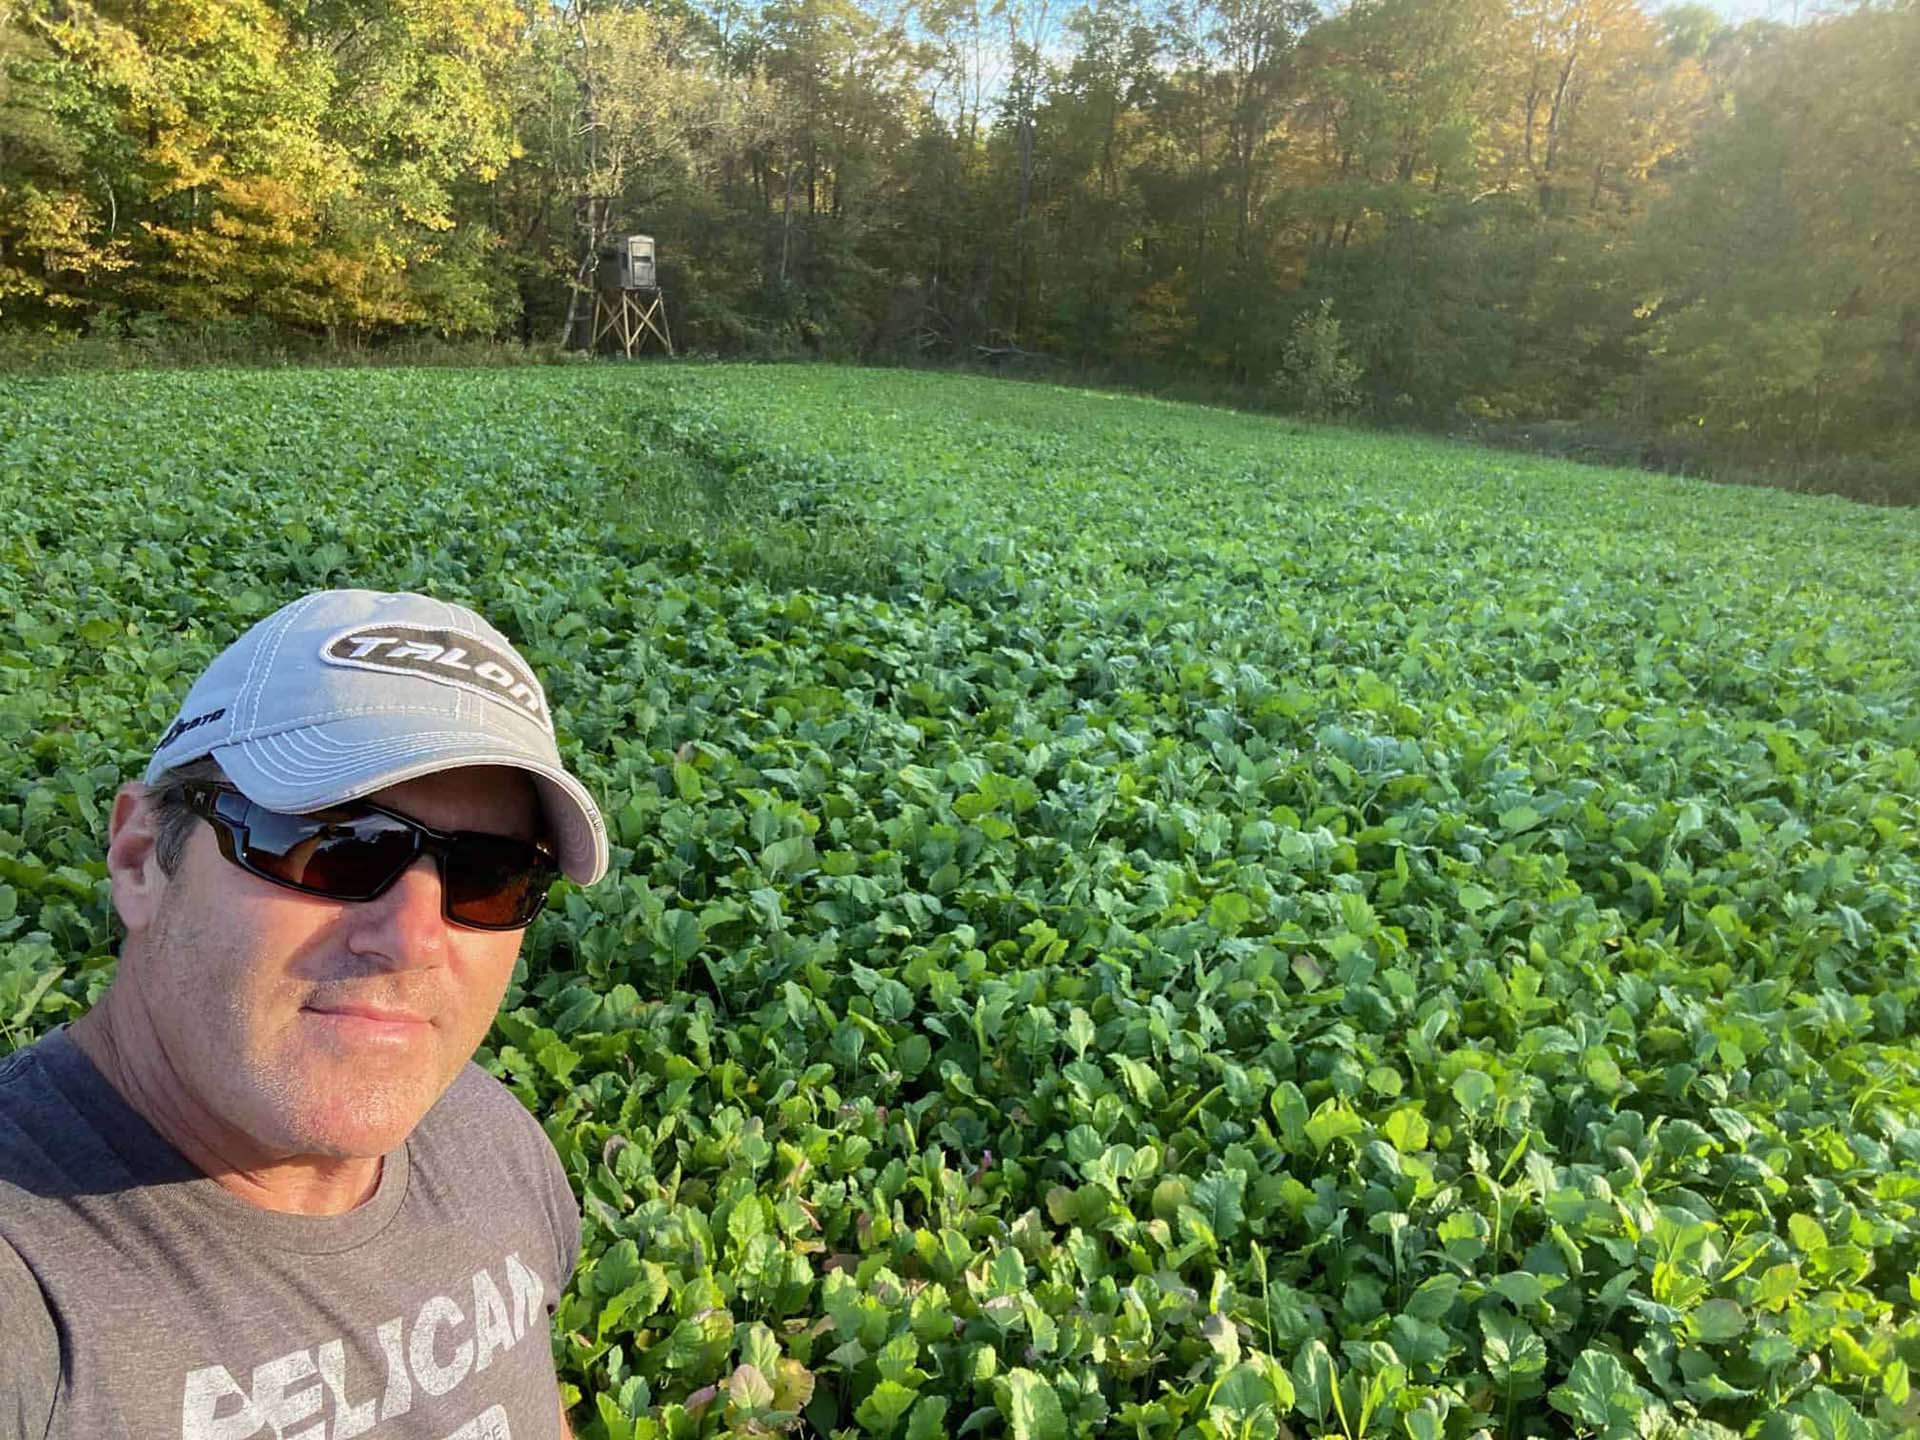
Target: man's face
{"x": 322, "y": 1027}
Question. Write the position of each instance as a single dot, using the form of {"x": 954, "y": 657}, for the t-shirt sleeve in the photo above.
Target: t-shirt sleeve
{"x": 29, "y": 1352}
{"x": 563, "y": 1212}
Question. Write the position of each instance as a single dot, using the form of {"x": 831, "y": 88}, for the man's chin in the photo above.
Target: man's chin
{"x": 344, "y": 1132}
{"x": 361, "y": 1115}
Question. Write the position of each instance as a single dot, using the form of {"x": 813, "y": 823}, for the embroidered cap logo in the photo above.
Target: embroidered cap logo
{"x": 445, "y": 656}
{"x": 183, "y": 725}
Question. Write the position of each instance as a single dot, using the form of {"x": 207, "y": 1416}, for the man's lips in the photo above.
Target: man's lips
{"x": 370, "y": 1024}
{"x": 380, "y": 1013}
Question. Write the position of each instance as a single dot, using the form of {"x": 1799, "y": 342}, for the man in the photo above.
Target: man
{"x": 260, "y": 1190}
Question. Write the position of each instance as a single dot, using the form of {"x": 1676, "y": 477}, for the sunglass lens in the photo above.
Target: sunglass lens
{"x": 495, "y": 881}
{"x": 348, "y": 859}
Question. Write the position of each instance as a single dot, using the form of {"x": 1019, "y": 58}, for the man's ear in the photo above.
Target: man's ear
{"x": 133, "y": 857}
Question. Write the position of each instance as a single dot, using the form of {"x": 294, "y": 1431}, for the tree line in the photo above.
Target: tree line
{"x": 1433, "y": 212}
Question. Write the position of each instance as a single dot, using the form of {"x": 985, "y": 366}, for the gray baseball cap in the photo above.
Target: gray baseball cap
{"x": 344, "y": 692}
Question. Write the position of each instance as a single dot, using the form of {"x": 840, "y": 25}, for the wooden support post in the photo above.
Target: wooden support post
{"x": 655, "y": 320}
{"x": 630, "y": 316}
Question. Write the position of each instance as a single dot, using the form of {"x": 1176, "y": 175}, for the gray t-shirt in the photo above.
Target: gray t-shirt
{"x": 138, "y": 1298}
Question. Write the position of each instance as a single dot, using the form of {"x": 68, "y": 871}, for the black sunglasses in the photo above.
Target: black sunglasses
{"x": 357, "y": 852}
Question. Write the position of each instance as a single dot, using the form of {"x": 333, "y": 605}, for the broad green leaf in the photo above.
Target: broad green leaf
{"x": 883, "y": 1410}
{"x": 1219, "y": 1197}
{"x": 1829, "y": 1416}
{"x": 1473, "y": 1090}
{"x": 1223, "y": 1339}
{"x": 1434, "y": 1297}
{"x": 1080, "y": 1032}
{"x": 1519, "y": 818}
{"x": 1313, "y": 1380}
{"x": 1406, "y": 1130}
{"x": 1717, "y": 1321}
{"x": 927, "y": 1421}
{"x": 760, "y": 1349}
{"x": 1522, "y": 1289}
{"x": 1033, "y": 1410}
{"x": 749, "y": 1389}
{"x": 895, "y": 1360}
{"x": 678, "y": 933}
{"x": 1332, "y": 1122}
{"x": 1599, "y": 1393}
{"x": 1229, "y": 912}
{"x": 785, "y": 859}
{"x": 1475, "y": 898}
{"x": 1514, "y": 1354}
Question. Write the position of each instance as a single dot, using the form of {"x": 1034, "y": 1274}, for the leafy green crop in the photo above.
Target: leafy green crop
{"x": 1126, "y": 919}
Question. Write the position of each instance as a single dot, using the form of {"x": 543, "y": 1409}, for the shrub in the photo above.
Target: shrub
{"x": 1317, "y": 375}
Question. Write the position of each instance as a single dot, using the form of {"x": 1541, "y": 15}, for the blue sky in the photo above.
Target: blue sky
{"x": 1754, "y": 9}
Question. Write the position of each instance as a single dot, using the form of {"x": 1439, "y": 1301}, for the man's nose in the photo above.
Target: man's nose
{"x": 404, "y": 929}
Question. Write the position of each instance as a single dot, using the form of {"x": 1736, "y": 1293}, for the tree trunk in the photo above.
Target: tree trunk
{"x": 1025, "y": 200}
{"x": 1556, "y": 122}
{"x": 591, "y": 212}
{"x": 786, "y": 222}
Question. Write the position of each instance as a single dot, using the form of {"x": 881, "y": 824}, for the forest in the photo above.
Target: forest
{"x": 1652, "y": 232}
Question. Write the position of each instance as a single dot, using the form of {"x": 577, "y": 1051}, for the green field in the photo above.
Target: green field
{"x": 1126, "y": 919}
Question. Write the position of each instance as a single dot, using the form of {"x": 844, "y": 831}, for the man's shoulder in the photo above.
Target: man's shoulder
{"x": 49, "y": 1065}
{"x": 47, "y": 1110}
{"x": 479, "y": 1116}
{"x": 24, "y": 1093}
{"x": 22, "y": 1069}
{"x": 27, "y": 1099}
{"x": 477, "y": 1099}
{"x": 61, "y": 1121}
{"x": 480, "y": 1128}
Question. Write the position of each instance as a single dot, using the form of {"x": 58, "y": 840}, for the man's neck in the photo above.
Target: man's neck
{"x": 131, "y": 1060}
